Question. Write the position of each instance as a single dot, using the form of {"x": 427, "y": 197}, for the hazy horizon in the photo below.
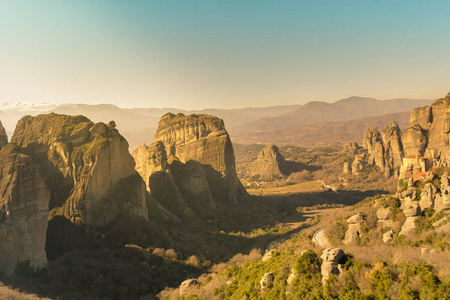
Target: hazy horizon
{"x": 213, "y": 54}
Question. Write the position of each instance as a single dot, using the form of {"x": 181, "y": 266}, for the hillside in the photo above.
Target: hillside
{"x": 342, "y": 110}
{"x": 320, "y": 134}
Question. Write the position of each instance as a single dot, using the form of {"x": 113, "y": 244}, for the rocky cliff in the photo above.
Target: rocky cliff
{"x": 23, "y": 210}
{"x": 86, "y": 167}
{"x": 180, "y": 188}
{"x": 3, "y": 136}
{"x": 83, "y": 165}
{"x": 203, "y": 138}
{"x": 269, "y": 164}
{"x": 384, "y": 150}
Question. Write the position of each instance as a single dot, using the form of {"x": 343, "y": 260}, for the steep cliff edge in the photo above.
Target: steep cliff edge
{"x": 203, "y": 138}
{"x": 190, "y": 167}
{"x": 83, "y": 165}
{"x": 23, "y": 210}
{"x": 3, "y": 136}
{"x": 86, "y": 167}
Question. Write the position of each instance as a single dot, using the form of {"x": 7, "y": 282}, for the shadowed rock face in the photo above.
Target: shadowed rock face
{"x": 86, "y": 167}
{"x": 181, "y": 188}
{"x": 203, "y": 138}
{"x": 269, "y": 163}
{"x": 3, "y": 136}
{"x": 23, "y": 210}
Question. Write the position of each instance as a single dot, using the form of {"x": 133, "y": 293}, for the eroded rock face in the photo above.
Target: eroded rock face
{"x": 3, "y": 136}
{"x": 23, "y": 210}
{"x": 330, "y": 264}
{"x": 384, "y": 217}
{"x": 414, "y": 140}
{"x": 266, "y": 281}
{"x": 351, "y": 148}
{"x": 269, "y": 164}
{"x": 203, "y": 138}
{"x": 347, "y": 168}
{"x": 181, "y": 188}
{"x": 354, "y": 230}
{"x": 86, "y": 167}
{"x": 393, "y": 146}
{"x": 374, "y": 144}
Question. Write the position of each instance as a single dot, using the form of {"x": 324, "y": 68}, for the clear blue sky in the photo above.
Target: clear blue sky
{"x": 201, "y": 54}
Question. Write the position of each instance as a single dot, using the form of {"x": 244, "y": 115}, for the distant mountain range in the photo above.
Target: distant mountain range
{"x": 246, "y": 125}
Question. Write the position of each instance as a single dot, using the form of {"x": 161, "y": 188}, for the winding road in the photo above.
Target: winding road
{"x": 320, "y": 240}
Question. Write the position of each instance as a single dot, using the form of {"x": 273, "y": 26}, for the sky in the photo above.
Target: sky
{"x": 222, "y": 54}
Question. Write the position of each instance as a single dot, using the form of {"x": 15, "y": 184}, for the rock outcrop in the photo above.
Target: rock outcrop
{"x": 351, "y": 148}
{"x": 269, "y": 164}
{"x": 3, "y": 136}
{"x": 87, "y": 169}
{"x": 374, "y": 144}
{"x": 198, "y": 156}
{"x": 266, "y": 281}
{"x": 384, "y": 150}
{"x": 24, "y": 203}
{"x": 181, "y": 188}
{"x": 347, "y": 169}
{"x": 354, "y": 230}
{"x": 330, "y": 262}
{"x": 384, "y": 217}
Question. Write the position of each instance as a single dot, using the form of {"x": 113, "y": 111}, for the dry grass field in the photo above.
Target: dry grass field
{"x": 304, "y": 187}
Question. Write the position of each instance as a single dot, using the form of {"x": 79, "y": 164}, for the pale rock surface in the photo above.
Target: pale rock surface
{"x": 428, "y": 196}
{"x": 266, "y": 281}
{"x": 408, "y": 227}
{"x": 388, "y": 236}
{"x": 354, "y": 228}
{"x": 384, "y": 217}
{"x": 23, "y": 210}
{"x": 330, "y": 262}
{"x": 351, "y": 148}
{"x": 269, "y": 163}
{"x": 357, "y": 166}
{"x": 204, "y": 139}
{"x": 186, "y": 285}
{"x": 347, "y": 168}
{"x": 374, "y": 144}
{"x": 88, "y": 170}
{"x": 268, "y": 255}
{"x": 3, "y": 136}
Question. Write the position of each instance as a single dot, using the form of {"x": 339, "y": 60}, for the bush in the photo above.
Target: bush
{"x": 25, "y": 269}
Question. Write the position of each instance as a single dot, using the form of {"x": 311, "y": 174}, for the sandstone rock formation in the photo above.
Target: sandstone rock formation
{"x": 180, "y": 188}
{"x": 354, "y": 230}
{"x": 351, "y": 148}
{"x": 87, "y": 169}
{"x": 347, "y": 169}
{"x": 186, "y": 285}
{"x": 357, "y": 165}
{"x": 384, "y": 150}
{"x": 269, "y": 164}
{"x": 23, "y": 210}
{"x": 388, "y": 236}
{"x": 201, "y": 158}
{"x": 330, "y": 264}
{"x": 266, "y": 281}
{"x": 3, "y": 136}
{"x": 373, "y": 143}
{"x": 384, "y": 217}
